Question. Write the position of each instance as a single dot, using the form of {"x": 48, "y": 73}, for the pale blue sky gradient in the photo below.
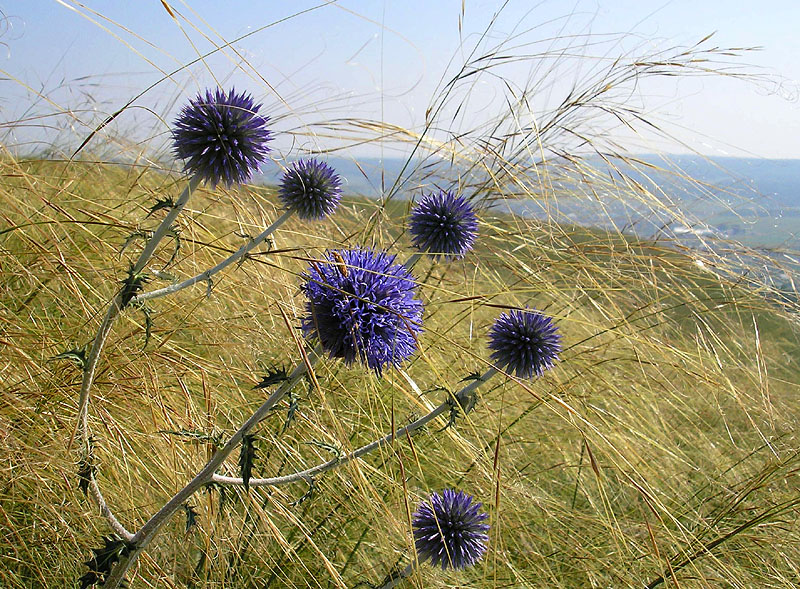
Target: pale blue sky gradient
{"x": 384, "y": 60}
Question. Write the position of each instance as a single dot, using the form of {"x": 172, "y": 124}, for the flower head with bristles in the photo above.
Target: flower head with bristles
{"x": 525, "y": 342}
{"x": 361, "y": 305}
{"x": 449, "y": 530}
{"x": 443, "y": 225}
{"x": 221, "y": 137}
{"x": 311, "y": 189}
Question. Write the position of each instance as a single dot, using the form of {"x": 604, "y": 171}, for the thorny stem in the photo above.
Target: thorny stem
{"x": 410, "y": 429}
{"x": 206, "y": 275}
{"x": 90, "y": 367}
{"x": 146, "y": 533}
{"x": 115, "y": 308}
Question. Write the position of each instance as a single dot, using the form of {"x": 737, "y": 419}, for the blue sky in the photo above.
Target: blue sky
{"x": 385, "y": 60}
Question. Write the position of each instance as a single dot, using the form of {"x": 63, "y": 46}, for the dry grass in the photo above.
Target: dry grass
{"x": 669, "y": 425}
{"x": 664, "y": 444}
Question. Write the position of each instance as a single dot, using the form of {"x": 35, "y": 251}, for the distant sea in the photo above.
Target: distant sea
{"x": 752, "y": 201}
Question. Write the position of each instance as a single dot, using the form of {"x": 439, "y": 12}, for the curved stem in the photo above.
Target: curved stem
{"x": 142, "y": 538}
{"x": 90, "y": 366}
{"x": 206, "y": 275}
{"x": 112, "y": 520}
{"x": 411, "y": 429}
{"x": 115, "y": 308}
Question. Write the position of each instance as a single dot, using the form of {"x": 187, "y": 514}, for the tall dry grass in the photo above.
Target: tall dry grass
{"x": 662, "y": 450}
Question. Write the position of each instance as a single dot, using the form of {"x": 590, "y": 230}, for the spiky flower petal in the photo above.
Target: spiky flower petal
{"x": 449, "y": 530}
{"x": 311, "y": 189}
{"x": 361, "y": 305}
{"x": 525, "y": 342}
{"x": 221, "y": 137}
{"x": 443, "y": 225}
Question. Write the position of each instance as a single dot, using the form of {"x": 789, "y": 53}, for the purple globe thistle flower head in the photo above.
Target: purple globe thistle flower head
{"x": 311, "y": 189}
{"x": 361, "y": 305}
{"x": 221, "y": 137}
{"x": 449, "y": 530}
{"x": 443, "y": 224}
{"x": 525, "y": 342}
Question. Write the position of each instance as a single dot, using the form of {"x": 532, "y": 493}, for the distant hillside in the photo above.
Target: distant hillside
{"x": 755, "y": 201}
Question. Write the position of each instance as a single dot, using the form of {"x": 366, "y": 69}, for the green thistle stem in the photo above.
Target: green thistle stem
{"x": 141, "y": 539}
{"x": 115, "y": 308}
{"x": 206, "y": 275}
{"x": 90, "y": 366}
{"x": 411, "y": 429}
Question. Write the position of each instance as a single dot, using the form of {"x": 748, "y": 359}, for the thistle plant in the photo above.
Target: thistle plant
{"x": 221, "y": 137}
{"x": 362, "y": 307}
{"x": 443, "y": 224}
{"x": 449, "y": 530}
{"x": 433, "y": 413}
{"x": 524, "y": 342}
{"x": 311, "y": 188}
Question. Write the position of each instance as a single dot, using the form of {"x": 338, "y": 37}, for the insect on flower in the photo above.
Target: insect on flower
{"x": 340, "y": 265}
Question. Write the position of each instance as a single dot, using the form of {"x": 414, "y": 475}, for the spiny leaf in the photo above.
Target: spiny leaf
{"x": 472, "y": 376}
{"x": 191, "y": 517}
{"x": 103, "y": 561}
{"x": 143, "y": 235}
{"x": 76, "y": 355}
{"x": 247, "y": 456}
{"x": 172, "y": 232}
{"x": 131, "y": 286}
{"x": 161, "y": 203}
{"x": 223, "y": 493}
{"x": 294, "y": 405}
{"x": 175, "y": 234}
{"x": 86, "y": 468}
{"x": 312, "y": 489}
{"x": 148, "y": 325}
{"x": 325, "y": 446}
{"x": 463, "y": 402}
{"x": 467, "y": 400}
{"x": 274, "y": 376}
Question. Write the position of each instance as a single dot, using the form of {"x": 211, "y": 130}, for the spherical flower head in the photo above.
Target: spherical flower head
{"x": 361, "y": 305}
{"x": 449, "y": 530}
{"x": 221, "y": 137}
{"x": 443, "y": 224}
{"x": 311, "y": 189}
{"x": 525, "y": 342}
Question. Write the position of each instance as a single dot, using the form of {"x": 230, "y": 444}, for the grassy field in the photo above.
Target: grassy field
{"x": 661, "y": 451}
